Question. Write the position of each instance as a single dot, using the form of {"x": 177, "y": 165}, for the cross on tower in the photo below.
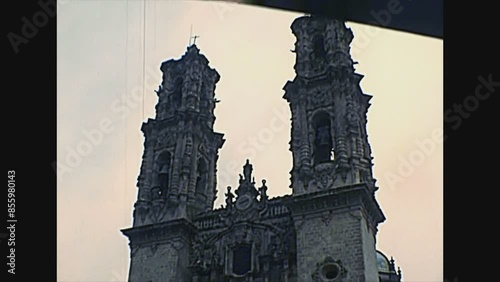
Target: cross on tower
{"x": 194, "y": 37}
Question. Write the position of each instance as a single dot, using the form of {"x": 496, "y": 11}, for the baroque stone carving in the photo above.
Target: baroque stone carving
{"x": 246, "y": 207}
{"x": 323, "y": 175}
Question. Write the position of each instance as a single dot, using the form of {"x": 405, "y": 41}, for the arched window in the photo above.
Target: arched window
{"x": 202, "y": 179}
{"x": 163, "y": 164}
{"x": 319, "y": 47}
{"x": 323, "y": 141}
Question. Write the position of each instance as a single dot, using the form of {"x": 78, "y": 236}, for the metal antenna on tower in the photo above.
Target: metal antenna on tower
{"x": 190, "y": 35}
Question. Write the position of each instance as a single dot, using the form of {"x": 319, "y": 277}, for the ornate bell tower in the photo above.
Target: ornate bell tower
{"x": 329, "y": 141}
{"x": 334, "y": 208}
{"x": 177, "y": 180}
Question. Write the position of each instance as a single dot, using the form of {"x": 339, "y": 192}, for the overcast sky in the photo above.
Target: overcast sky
{"x": 108, "y": 69}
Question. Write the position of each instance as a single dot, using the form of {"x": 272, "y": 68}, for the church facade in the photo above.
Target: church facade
{"x": 325, "y": 230}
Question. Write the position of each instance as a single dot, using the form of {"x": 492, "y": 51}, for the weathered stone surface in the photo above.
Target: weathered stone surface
{"x": 156, "y": 263}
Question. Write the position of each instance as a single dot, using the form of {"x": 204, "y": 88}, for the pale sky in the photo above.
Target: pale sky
{"x": 103, "y": 56}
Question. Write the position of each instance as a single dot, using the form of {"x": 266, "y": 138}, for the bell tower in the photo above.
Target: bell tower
{"x": 177, "y": 180}
{"x": 328, "y": 109}
{"x": 332, "y": 182}
{"x": 177, "y": 177}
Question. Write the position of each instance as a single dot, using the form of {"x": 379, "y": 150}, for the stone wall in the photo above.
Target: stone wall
{"x": 342, "y": 235}
{"x": 369, "y": 251}
{"x": 165, "y": 262}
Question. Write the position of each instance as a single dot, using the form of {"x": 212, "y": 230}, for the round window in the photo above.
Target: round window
{"x": 330, "y": 272}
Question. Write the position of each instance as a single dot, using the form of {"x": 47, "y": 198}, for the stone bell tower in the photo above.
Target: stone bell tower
{"x": 334, "y": 207}
{"x": 177, "y": 179}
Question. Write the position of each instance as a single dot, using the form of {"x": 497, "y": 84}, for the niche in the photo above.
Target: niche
{"x": 202, "y": 179}
{"x": 319, "y": 47}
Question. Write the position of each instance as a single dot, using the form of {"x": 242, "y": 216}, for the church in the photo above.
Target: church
{"x": 325, "y": 230}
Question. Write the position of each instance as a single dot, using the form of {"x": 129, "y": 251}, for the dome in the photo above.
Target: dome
{"x": 382, "y": 262}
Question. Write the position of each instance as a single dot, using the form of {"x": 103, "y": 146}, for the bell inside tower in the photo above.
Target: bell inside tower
{"x": 163, "y": 164}
{"x": 323, "y": 144}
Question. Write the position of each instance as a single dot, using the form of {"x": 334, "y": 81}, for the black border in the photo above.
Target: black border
{"x": 470, "y": 202}
{"x": 469, "y": 198}
{"x": 30, "y": 134}
{"x": 423, "y": 17}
